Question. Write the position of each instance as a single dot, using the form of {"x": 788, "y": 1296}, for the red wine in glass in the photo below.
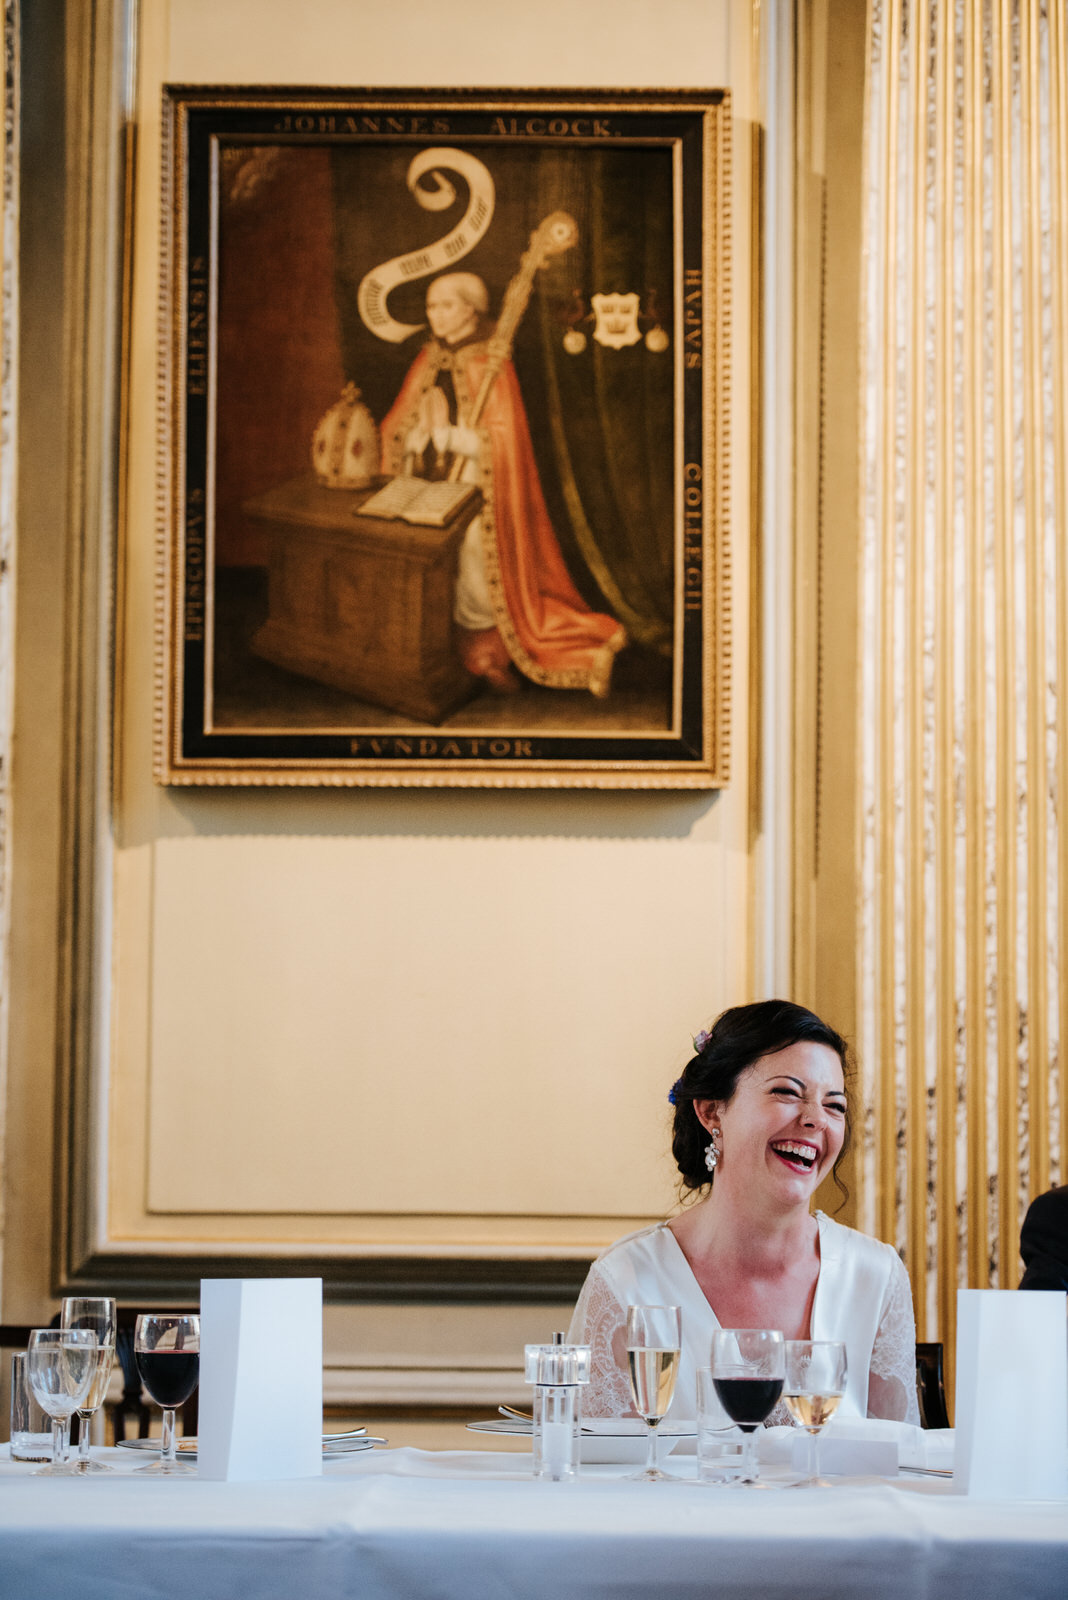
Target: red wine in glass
{"x": 170, "y": 1376}
{"x": 748, "y": 1372}
{"x": 748, "y": 1401}
{"x": 167, "y": 1351}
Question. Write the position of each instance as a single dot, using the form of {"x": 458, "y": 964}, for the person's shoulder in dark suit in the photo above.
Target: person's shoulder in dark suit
{"x": 1044, "y": 1241}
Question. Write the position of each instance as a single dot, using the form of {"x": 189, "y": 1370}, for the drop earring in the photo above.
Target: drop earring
{"x": 712, "y": 1151}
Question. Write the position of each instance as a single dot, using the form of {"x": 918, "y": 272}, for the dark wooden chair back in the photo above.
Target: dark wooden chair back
{"x": 131, "y": 1405}
{"x": 930, "y": 1386}
{"x": 16, "y": 1335}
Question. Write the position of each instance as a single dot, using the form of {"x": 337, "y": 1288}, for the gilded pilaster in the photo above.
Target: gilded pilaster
{"x": 963, "y": 669}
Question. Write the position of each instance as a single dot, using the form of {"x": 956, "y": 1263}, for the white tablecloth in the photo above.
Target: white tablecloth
{"x": 408, "y": 1524}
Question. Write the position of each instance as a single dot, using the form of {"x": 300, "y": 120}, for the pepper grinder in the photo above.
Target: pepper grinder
{"x": 557, "y": 1371}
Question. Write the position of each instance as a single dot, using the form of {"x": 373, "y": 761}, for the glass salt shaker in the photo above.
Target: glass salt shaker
{"x": 557, "y": 1371}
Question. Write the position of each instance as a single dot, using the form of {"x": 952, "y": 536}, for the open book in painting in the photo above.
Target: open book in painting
{"x": 434, "y": 504}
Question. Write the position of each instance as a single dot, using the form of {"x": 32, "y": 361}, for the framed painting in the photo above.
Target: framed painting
{"x": 445, "y": 457}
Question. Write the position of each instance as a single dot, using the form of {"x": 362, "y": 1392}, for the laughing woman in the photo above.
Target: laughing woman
{"x": 761, "y": 1118}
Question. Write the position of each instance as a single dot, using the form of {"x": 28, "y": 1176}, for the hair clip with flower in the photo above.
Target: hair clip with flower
{"x": 700, "y": 1040}
{"x": 673, "y": 1092}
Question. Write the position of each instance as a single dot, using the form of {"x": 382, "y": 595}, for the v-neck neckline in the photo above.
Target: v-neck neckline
{"x": 826, "y": 1257}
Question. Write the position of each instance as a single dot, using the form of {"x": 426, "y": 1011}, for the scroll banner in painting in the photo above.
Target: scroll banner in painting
{"x": 376, "y": 285}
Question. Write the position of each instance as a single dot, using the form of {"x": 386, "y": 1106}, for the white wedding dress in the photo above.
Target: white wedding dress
{"x": 862, "y": 1297}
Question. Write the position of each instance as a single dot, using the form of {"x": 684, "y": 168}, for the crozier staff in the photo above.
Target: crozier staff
{"x": 761, "y": 1117}
{"x": 515, "y": 606}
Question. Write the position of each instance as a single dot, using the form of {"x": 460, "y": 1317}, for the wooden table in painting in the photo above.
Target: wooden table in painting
{"x": 362, "y": 603}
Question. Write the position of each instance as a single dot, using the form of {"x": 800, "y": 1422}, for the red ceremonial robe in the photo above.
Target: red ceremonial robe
{"x": 547, "y": 628}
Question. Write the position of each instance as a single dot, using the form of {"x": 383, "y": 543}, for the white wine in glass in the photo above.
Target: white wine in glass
{"x": 654, "y": 1340}
{"x": 812, "y": 1411}
{"x": 100, "y": 1315}
{"x": 815, "y": 1383}
{"x": 652, "y": 1379}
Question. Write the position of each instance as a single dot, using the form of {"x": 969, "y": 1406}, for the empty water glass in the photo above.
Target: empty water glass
{"x": 719, "y": 1442}
{"x": 31, "y": 1428}
{"x": 60, "y": 1364}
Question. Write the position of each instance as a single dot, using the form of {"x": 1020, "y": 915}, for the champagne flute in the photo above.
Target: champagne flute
{"x": 815, "y": 1382}
{"x": 654, "y": 1340}
{"x": 100, "y": 1315}
{"x": 748, "y": 1369}
{"x": 60, "y": 1363}
{"x": 167, "y": 1352}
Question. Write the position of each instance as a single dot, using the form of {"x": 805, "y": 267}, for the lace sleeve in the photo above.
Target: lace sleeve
{"x": 892, "y": 1376}
{"x": 600, "y": 1321}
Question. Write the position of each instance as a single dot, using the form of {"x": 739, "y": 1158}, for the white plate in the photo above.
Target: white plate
{"x": 604, "y": 1440}
{"x": 334, "y": 1445}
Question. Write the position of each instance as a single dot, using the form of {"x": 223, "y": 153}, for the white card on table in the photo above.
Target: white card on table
{"x": 261, "y": 1379}
{"x": 1011, "y": 1409}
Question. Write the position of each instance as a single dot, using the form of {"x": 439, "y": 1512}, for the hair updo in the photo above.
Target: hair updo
{"x": 738, "y": 1038}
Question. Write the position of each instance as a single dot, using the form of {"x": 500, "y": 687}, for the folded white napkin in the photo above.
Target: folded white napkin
{"x": 934, "y": 1447}
{"x": 916, "y": 1447}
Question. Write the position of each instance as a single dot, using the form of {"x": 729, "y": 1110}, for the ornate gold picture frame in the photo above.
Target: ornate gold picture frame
{"x": 445, "y": 447}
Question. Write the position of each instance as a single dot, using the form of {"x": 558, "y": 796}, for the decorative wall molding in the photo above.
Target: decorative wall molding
{"x": 9, "y": 235}
{"x": 145, "y": 1274}
{"x": 101, "y": 40}
{"x": 423, "y": 1385}
{"x": 963, "y": 710}
{"x": 97, "y": 1038}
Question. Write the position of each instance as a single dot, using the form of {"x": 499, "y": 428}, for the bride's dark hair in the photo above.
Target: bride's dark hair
{"x": 737, "y": 1038}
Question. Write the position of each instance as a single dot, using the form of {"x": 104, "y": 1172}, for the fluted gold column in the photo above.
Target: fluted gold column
{"x": 963, "y": 642}
{"x": 1058, "y": 56}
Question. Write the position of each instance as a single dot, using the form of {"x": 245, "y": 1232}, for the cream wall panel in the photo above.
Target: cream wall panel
{"x": 395, "y": 1042}
{"x": 303, "y": 982}
{"x": 684, "y": 43}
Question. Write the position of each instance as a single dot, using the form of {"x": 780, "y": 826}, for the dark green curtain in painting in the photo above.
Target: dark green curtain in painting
{"x": 602, "y": 420}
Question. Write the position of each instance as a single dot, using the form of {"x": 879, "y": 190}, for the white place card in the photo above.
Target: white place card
{"x": 261, "y": 1379}
{"x": 1011, "y": 1410}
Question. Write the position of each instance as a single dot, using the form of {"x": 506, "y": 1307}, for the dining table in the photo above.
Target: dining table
{"x": 403, "y": 1524}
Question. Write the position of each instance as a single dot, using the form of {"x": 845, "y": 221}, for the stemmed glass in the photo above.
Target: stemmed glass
{"x": 167, "y": 1351}
{"x": 60, "y": 1363}
{"x": 815, "y": 1382}
{"x": 654, "y": 1339}
{"x": 748, "y": 1369}
{"x": 100, "y": 1316}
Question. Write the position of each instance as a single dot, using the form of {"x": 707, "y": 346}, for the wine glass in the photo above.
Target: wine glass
{"x": 815, "y": 1382}
{"x": 167, "y": 1352}
{"x": 100, "y": 1315}
{"x": 654, "y": 1339}
{"x": 748, "y": 1369}
{"x": 60, "y": 1363}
